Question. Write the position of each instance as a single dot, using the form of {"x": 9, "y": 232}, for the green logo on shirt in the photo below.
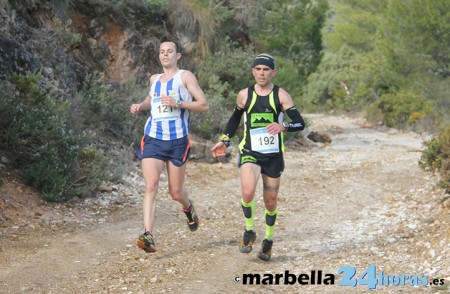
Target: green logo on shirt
{"x": 261, "y": 119}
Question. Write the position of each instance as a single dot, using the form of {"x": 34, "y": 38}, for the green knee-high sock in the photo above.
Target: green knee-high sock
{"x": 271, "y": 217}
{"x": 249, "y": 212}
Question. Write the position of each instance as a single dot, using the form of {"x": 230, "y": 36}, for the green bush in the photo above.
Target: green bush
{"x": 34, "y": 129}
{"x": 221, "y": 76}
{"x": 436, "y": 156}
{"x": 326, "y": 88}
{"x": 49, "y": 155}
{"x": 292, "y": 29}
{"x": 105, "y": 110}
{"x": 208, "y": 125}
{"x": 65, "y": 36}
{"x": 101, "y": 113}
{"x": 288, "y": 78}
{"x": 92, "y": 167}
{"x": 233, "y": 71}
{"x": 403, "y": 108}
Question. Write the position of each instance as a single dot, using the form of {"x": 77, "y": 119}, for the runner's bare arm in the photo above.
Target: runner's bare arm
{"x": 199, "y": 103}
{"x": 135, "y": 108}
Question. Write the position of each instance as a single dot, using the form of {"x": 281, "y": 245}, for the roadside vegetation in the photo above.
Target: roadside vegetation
{"x": 436, "y": 157}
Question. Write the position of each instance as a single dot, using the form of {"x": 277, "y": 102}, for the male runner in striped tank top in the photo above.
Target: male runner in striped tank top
{"x": 172, "y": 95}
{"x": 261, "y": 149}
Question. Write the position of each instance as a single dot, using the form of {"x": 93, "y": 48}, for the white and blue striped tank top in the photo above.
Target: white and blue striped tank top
{"x": 168, "y": 123}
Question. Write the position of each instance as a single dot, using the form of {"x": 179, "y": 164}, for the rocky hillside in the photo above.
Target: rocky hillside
{"x": 67, "y": 40}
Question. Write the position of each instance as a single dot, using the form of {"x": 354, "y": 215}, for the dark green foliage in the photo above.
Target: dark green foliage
{"x": 417, "y": 35}
{"x": 93, "y": 166}
{"x": 232, "y": 69}
{"x": 328, "y": 88}
{"x": 436, "y": 156}
{"x": 391, "y": 57}
{"x": 221, "y": 76}
{"x": 142, "y": 13}
{"x": 50, "y": 156}
{"x": 287, "y": 78}
{"x": 208, "y": 125}
{"x": 34, "y": 132}
{"x": 292, "y": 30}
{"x": 403, "y": 108}
{"x": 104, "y": 110}
{"x": 65, "y": 36}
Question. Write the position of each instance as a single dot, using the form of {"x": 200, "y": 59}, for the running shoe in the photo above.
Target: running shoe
{"x": 192, "y": 218}
{"x": 266, "y": 250}
{"x": 146, "y": 242}
{"x": 247, "y": 241}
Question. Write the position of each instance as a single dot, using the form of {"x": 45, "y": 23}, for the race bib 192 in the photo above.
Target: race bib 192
{"x": 264, "y": 142}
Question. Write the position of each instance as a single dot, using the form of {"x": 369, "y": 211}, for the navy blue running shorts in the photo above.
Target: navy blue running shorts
{"x": 177, "y": 151}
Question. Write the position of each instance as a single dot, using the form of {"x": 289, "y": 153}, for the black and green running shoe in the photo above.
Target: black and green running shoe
{"x": 192, "y": 218}
{"x": 247, "y": 241}
{"x": 146, "y": 242}
{"x": 266, "y": 250}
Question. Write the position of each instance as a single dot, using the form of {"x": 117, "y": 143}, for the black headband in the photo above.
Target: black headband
{"x": 264, "y": 60}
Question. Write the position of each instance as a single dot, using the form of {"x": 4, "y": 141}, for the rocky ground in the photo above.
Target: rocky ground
{"x": 360, "y": 202}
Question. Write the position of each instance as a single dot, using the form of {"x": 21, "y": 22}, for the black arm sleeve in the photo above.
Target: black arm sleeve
{"x": 233, "y": 122}
{"x": 297, "y": 123}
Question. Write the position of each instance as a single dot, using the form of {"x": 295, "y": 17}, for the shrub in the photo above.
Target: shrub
{"x": 436, "y": 156}
{"x": 65, "y": 36}
{"x": 49, "y": 155}
{"x": 232, "y": 69}
{"x": 34, "y": 128}
{"x": 92, "y": 167}
{"x": 288, "y": 78}
{"x": 403, "y": 108}
{"x": 221, "y": 77}
{"x": 102, "y": 109}
{"x": 207, "y": 125}
{"x": 336, "y": 85}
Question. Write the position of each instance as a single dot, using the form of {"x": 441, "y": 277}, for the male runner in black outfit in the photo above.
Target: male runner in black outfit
{"x": 261, "y": 149}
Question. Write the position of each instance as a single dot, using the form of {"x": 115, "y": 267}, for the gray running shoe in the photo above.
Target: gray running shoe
{"x": 247, "y": 241}
{"x": 266, "y": 250}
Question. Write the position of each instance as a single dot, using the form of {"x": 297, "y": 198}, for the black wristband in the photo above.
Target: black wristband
{"x": 225, "y": 139}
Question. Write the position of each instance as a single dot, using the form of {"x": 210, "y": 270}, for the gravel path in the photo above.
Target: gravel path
{"x": 358, "y": 203}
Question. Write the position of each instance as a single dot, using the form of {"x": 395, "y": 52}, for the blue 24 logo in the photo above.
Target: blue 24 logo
{"x": 371, "y": 278}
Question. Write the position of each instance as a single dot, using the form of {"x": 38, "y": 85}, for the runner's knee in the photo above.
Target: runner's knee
{"x": 271, "y": 203}
{"x": 151, "y": 186}
{"x": 176, "y": 193}
{"x": 248, "y": 194}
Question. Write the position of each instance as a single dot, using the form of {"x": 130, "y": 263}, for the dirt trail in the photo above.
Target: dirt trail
{"x": 360, "y": 201}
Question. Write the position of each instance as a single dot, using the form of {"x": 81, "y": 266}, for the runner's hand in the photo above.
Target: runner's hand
{"x": 168, "y": 101}
{"x": 274, "y": 128}
{"x": 135, "y": 108}
{"x": 218, "y": 149}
